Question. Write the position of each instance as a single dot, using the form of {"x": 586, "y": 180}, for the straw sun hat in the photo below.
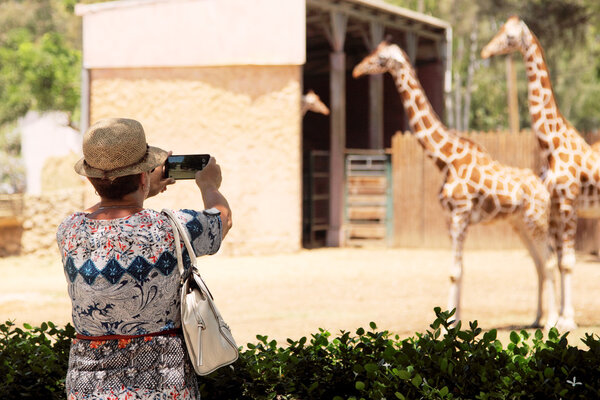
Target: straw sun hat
{"x": 115, "y": 147}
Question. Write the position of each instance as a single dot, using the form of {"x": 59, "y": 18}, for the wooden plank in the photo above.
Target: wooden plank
{"x": 367, "y": 180}
{"x": 360, "y": 242}
{"x": 366, "y": 190}
{"x": 435, "y": 227}
{"x": 366, "y": 200}
{"x": 366, "y": 213}
{"x": 366, "y": 231}
{"x": 355, "y": 186}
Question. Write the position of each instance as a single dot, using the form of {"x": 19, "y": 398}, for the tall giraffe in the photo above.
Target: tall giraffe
{"x": 573, "y": 172}
{"x": 312, "y": 102}
{"x": 476, "y": 187}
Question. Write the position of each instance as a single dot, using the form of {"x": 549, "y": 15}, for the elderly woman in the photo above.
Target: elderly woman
{"x": 121, "y": 268}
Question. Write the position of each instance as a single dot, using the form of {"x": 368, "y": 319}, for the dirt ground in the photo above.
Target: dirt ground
{"x": 292, "y": 295}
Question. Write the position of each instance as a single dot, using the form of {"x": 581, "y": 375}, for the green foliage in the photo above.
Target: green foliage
{"x": 41, "y": 75}
{"x": 445, "y": 362}
{"x": 426, "y": 6}
{"x": 33, "y": 361}
{"x": 40, "y": 58}
{"x": 569, "y": 33}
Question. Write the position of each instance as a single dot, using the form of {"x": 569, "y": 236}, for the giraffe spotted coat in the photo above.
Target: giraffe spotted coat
{"x": 476, "y": 187}
{"x": 572, "y": 174}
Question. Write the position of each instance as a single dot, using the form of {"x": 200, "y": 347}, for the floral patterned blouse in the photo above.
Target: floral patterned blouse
{"x": 122, "y": 273}
{"x": 123, "y": 279}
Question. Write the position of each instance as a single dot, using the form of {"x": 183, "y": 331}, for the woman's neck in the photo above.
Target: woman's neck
{"x": 112, "y": 209}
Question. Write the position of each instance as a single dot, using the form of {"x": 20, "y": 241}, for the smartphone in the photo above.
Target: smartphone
{"x": 185, "y": 166}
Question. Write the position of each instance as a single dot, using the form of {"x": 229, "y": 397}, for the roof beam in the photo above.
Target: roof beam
{"x": 362, "y": 11}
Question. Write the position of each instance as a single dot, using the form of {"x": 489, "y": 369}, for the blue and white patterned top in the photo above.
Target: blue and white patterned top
{"x": 122, "y": 273}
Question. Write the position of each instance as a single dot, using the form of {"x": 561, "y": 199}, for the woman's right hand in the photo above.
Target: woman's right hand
{"x": 209, "y": 180}
{"x": 209, "y": 176}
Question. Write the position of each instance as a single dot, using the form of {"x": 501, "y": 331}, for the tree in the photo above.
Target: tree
{"x": 40, "y": 61}
{"x": 568, "y": 31}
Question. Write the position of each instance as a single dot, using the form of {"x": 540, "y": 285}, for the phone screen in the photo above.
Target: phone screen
{"x": 185, "y": 166}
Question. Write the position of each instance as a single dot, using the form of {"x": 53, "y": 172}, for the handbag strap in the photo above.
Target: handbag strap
{"x": 180, "y": 233}
{"x": 177, "y": 230}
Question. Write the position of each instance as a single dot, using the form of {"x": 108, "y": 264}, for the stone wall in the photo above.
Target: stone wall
{"x": 248, "y": 117}
{"x": 41, "y": 216}
{"x": 32, "y": 228}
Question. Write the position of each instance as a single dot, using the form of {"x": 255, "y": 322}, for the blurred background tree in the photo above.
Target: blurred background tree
{"x": 40, "y": 61}
{"x": 568, "y": 31}
{"x": 40, "y": 58}
{"x": 40, "y": 67}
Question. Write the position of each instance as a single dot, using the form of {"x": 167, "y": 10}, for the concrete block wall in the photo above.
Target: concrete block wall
{"x": 247, "y": 117}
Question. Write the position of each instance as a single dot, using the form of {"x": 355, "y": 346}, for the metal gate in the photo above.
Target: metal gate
{"x": 368, "y": 217}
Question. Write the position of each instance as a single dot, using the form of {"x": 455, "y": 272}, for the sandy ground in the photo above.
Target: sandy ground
{"x": 293, "y": 295}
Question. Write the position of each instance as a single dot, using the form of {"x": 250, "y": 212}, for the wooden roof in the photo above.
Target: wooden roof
{"x": 430, "y": 32}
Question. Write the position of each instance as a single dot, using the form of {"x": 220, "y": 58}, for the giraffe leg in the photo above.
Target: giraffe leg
{"x": 549, "y": 269}
{"x": 556, "y": 232}
{"x": 566, "y": 319}
{"x": 534, "y": 235}
{"x": 458, "y": 230}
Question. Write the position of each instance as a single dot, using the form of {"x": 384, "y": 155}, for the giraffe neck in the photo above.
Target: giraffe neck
{"x": 546, "y": 120}
{"x": 433, "y": 136}
{"x": 304, "y": 106}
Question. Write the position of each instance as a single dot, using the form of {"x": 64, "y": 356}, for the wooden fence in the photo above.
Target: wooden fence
{"x": 419, "y": 220}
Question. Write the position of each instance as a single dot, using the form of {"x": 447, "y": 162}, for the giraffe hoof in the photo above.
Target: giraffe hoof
{"x": 551, "y": 323}
{"x": 565, "y": 324}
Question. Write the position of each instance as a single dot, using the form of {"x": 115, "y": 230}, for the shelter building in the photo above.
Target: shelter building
{"x": 226, "y": 77}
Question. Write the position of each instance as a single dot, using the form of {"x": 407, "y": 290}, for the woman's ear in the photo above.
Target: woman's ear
{"x": 144, "y": 181}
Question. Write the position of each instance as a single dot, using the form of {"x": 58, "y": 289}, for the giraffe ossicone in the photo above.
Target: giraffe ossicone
{"x": 572, "y": 175}
{"x": 476, "y": 187}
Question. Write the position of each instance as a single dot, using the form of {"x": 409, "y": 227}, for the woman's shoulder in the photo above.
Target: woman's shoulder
{"x": 76, "y": 216}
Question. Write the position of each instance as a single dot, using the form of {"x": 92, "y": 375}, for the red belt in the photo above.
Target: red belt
{"x": 174, "y": 331}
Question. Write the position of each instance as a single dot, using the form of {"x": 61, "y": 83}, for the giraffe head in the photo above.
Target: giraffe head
{"x": 312, "y": 102}
{"x": 510, "y": 38}
{"x": 386, "y": 57}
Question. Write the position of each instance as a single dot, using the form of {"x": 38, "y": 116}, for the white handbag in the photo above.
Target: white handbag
{"x": 208, "y": 338}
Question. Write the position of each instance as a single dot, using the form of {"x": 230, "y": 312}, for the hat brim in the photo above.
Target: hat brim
{"x": 154, "y": 157}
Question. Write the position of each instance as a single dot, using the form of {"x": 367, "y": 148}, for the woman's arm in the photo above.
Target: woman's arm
{"x": 209, "y": 181}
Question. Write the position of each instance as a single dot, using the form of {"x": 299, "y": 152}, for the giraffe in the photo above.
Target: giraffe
{"x": 572, "y": 175}
{"x": 476, "y": 188}
{"x": 312, "y": 102}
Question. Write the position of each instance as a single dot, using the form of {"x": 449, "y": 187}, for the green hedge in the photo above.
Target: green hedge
{"x": 33, "y": 361}
{"x": 445, "y": 362}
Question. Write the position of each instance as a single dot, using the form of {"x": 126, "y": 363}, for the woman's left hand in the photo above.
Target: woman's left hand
{"x": 158, "y": 183}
